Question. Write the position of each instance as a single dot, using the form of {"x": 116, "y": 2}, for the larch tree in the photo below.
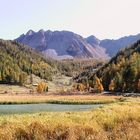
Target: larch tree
{"x": 98, "y": 85}
{"x": 112, "y": 85}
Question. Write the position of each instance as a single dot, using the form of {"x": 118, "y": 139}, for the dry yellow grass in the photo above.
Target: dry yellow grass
{"x": 112, "y": 122}
{"x": 13, "y": 89}
{"x": 41, "y": 98}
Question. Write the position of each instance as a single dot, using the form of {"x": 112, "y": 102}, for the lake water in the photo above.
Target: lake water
{"x": 34, "y": 108}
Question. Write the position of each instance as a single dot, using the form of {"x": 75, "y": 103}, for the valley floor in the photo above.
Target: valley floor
{"x": 118, "y": 120}
{"x": 12, "y": 94}
{"x": 59, "y": 83}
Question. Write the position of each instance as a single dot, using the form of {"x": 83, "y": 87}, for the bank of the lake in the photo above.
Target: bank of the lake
{"x": 118, "y": 121}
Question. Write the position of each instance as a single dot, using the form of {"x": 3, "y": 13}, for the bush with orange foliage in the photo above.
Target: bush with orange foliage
{"x": 42, "y": 87}
{"x": 98, "y": 85}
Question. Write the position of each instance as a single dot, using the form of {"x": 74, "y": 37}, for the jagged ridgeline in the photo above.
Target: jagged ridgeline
{"x": 122, "y": 73}
{"x": 17, "y": 61}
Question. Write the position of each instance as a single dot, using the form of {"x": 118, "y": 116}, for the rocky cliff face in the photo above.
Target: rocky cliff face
{"x": 63, "y": 44}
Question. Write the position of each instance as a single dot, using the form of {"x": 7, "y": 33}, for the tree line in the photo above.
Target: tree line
{"x": 122, "y": 73}
{"x": 17, "y": 61}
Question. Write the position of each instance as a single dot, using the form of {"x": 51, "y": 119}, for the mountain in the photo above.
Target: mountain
{"x": 92, "y": 40}
{"x": 95, "y": 43}
{"x": 122, "y": 73}
{"x": 63, "y": 44}
{"x": 18, "y": 61}
{"x": 113, "y": 46}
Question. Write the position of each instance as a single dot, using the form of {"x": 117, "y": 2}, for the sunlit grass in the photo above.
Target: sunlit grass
{"x": 59, "y": 99}
{"x": 118, "y": 121}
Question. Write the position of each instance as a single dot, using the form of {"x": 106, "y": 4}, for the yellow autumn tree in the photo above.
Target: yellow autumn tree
{"x": 98, "y": 85}
{"x": 112, "y": 85}
{"x": 82, "y": 87}
{"x": 79, "y": 87}
{"x": 42, "y": 87}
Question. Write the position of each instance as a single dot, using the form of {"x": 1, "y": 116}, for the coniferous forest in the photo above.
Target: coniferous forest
{"x": 17, "y": 61}
{"x": 122, "y": 73}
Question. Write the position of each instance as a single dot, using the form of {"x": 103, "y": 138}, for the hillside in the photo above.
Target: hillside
{"x": 62, "y": 45}
{"x": 18, "y": 61}
{"x": 122, "y": 73}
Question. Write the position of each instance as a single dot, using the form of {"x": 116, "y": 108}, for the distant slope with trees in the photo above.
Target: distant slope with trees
{"x": 121, "y": 73}
{"x": 17, "y": 61}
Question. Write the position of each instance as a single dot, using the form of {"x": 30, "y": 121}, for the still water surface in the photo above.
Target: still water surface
{"x": 34, "y": 108}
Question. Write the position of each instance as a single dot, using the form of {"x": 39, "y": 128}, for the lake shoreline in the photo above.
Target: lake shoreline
{"x": 59, "y": 99}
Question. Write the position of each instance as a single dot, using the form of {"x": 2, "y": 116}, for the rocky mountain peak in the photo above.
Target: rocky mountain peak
{"x": 30, "y": 32}
{"x": 93, "y": 40}
{"x": 63, "y": 44}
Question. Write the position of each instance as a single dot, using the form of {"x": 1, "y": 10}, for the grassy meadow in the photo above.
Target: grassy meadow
{"x": 59, "y": 99}
{"x": 118, "y": 121}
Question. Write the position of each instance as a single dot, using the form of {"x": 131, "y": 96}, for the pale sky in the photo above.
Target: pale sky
{"x": 102, "y": 18}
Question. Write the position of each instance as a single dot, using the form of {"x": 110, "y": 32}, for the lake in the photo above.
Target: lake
{"x": 34, "y": 108}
